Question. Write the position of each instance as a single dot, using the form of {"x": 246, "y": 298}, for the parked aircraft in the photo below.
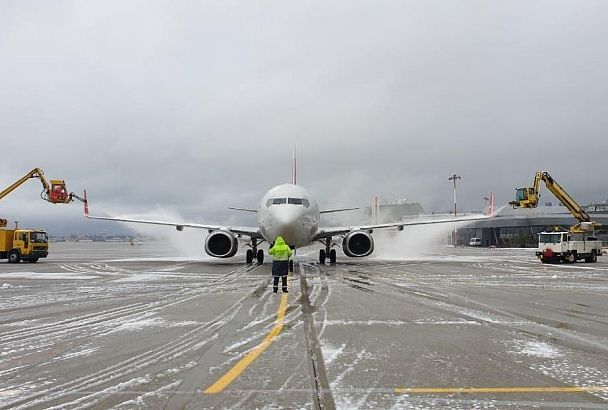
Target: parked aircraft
{"x": 290, "y": 211}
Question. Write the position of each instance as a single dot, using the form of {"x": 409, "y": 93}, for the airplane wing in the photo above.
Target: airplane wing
{"x": 243, "y": 209}
{"x": 239, "y": 230}
{"x": 247, "y": 231}
{"x": 331, "y": 211}
{"x": 325, "y": 232}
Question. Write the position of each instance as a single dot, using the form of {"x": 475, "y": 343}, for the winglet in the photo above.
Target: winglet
{"x": 86, "y": 204}
{"x": 294, "y": 167}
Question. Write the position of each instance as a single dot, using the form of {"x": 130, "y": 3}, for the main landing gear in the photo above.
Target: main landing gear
{"x": 327, "y": 253}
{"x": 254, "y": 252}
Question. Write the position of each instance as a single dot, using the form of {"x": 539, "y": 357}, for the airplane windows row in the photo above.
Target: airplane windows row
{"x": 291, "y": 201}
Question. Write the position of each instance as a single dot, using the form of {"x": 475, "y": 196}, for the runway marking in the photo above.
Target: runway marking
{"x": 238, "y": 368}
{"x": 478, "y": 390}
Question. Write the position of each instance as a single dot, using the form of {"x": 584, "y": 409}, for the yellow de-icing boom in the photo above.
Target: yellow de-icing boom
{"x": 53, "y": 191}
{"x": 528, "y": 197}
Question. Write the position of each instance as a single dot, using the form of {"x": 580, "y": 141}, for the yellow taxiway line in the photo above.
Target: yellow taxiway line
{"x": 478, "y": 390}
{"x": 238, "y": 368}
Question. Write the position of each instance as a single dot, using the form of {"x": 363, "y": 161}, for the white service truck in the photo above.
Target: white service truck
{"x": 567, "y": 247}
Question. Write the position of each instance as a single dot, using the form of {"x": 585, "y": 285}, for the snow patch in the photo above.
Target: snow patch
{"x": 45, "y": 275}
{"x": 139, "y": 324}
{"x": 72, "y": 354}
{"x": 534, "y": 348}
{"x": 540, "y": 349}
{"x": 331, "y": 353}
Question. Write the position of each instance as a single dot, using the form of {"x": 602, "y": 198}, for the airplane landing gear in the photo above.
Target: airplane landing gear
{"x": 254, "y": 252}
{"x": 332, "y": 257}
{"x": 327, "y": 253}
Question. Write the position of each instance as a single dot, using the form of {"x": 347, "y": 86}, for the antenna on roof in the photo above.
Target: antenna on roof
{"x": 294, "y": 167}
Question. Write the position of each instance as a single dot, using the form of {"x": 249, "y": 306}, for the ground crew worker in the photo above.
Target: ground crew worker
{"x": 280, "y": 253}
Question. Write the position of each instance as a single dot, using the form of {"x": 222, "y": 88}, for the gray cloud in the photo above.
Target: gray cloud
{"x": 194, "y": 106}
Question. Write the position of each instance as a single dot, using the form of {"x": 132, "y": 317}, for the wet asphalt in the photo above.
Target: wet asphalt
{"x": 108, "y": 325}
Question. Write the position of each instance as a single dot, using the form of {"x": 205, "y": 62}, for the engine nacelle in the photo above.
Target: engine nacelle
{"x": 221, "y": 244}
{"x": 357, "y": 244}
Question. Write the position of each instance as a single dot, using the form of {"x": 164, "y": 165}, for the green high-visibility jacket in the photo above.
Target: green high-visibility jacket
{"x": 280, "y": 251}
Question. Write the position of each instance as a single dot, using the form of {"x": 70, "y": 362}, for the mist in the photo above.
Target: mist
{"x": 188, "y": 243}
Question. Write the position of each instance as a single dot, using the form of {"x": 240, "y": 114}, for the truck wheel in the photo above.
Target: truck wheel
{"x": 591, "y": 259}
{"x": 14, "y": 257}
{"x": 570, "y": 258}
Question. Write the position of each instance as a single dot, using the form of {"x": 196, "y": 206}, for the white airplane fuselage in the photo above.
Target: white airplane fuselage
{"x": 290, "y": 211}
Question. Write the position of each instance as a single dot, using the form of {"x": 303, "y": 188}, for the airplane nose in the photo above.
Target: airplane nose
{"x": 284, "y": 223}
{"x": 284, "y": 219}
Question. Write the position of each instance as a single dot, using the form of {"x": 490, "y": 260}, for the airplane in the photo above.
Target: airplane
{"x": 288, "y": 210}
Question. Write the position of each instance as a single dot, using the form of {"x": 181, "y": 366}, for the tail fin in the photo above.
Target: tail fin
{"x": 294, "y": 167}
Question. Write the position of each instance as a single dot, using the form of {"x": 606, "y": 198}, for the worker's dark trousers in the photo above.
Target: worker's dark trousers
{"x": 275, "y": 284}
{"x": 279, "y": 270}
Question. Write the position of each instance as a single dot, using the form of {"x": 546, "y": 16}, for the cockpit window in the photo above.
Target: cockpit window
{"x": 290, "y": 201}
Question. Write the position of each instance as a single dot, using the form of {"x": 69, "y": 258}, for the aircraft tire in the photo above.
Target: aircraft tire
{"x": 260, "y": 256}
{"x": 332, "y": 257}
{"x": 322, "y": 256}
{"x": 249, "y": 257}
{"x": 291, "y": 265}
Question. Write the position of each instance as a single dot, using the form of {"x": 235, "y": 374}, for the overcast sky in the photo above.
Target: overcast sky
{"x": 189, "y": 107}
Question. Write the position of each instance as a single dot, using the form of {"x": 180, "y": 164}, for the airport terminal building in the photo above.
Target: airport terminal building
{"x": 519, "y": 227}
{"x": 510, "y": 228}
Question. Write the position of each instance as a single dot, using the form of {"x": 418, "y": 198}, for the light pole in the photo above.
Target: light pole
{"x": 453, "y": 178}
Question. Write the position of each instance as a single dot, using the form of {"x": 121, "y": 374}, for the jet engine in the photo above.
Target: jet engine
{"x": 221, "y": 244}
{"x": 358, "y": 244}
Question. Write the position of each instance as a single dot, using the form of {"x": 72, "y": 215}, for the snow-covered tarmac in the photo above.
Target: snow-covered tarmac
{"x": 107, "y": 325}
